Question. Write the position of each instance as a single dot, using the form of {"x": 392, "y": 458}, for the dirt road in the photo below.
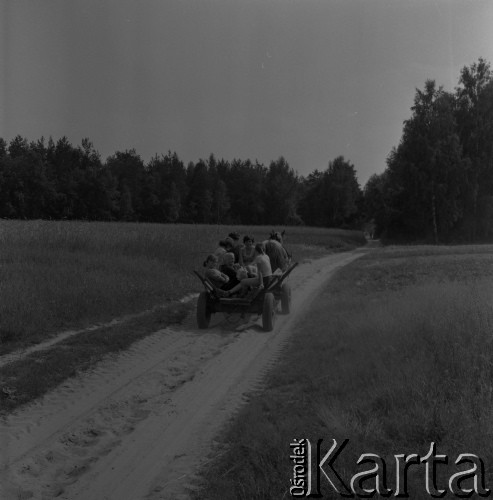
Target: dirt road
{"x": 140, "y": 424}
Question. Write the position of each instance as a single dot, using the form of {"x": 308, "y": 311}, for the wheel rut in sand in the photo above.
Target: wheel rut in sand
{"x": 140, "y": 423}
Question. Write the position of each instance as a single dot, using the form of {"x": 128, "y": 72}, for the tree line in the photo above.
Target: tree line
{"x": 438, "y": 182}
{"x": 437, "y": 185}
{"x": 56, "y": 180}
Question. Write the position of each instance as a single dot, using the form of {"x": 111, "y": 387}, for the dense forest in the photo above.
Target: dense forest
{"x": 49, "y": 180}
{"x": 437, "y": 185}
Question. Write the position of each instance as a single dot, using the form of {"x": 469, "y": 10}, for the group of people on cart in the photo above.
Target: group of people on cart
{"x": 234, "y": 267}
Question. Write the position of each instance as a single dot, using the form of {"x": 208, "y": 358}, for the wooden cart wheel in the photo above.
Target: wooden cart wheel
{"x": 268, "y": 312}
{"x": 203, "y": 313}
{"x": 285, "y": 298}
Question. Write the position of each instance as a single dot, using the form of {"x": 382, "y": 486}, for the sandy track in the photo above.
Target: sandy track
{"x": 140, "y": 423}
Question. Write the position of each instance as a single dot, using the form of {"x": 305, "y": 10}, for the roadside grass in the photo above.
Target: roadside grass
{"x": 56, "y": 275}
{"x": 396, "y": 353}
{"x": 34, "y": 375}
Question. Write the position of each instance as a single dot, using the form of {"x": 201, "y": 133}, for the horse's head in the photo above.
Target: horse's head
{"x": 276, "y": 235}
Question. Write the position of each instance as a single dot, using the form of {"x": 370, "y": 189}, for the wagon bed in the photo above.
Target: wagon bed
{"x": 258, "y": 300}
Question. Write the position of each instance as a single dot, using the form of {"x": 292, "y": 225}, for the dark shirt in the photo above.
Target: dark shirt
{"x": 230, "y": 272}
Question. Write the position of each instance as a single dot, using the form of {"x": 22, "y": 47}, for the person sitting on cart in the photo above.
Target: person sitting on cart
{"x": 264, "y": 271}
{"x": 234, "y": 238}
{"x": 246, "y": 272}
{"x": 230, "y": 269}
{"x": 212, "y": 273}
{"x": 222, "y": 248}
{"x": 251, "y": 271}
{"x": 262, "y": 261}
{"x": 247, "y": 251}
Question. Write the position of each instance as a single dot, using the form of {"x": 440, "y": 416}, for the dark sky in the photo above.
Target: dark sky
{"x": 306, "y": 79}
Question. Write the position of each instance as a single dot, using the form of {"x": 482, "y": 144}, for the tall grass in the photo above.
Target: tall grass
{"x": 57, "y": 275}
{"x": 392, "y": 364}
{"x": 414, "y": 369}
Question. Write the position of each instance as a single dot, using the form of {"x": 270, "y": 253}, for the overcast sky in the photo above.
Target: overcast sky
{"x": 306, "y": 79}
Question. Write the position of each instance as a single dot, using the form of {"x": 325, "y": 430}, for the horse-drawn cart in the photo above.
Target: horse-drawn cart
{"x": 258, "y": 300}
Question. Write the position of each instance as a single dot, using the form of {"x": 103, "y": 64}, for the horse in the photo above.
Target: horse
{"x": 277, "y": 236}
{"x": 279, "y": 257}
